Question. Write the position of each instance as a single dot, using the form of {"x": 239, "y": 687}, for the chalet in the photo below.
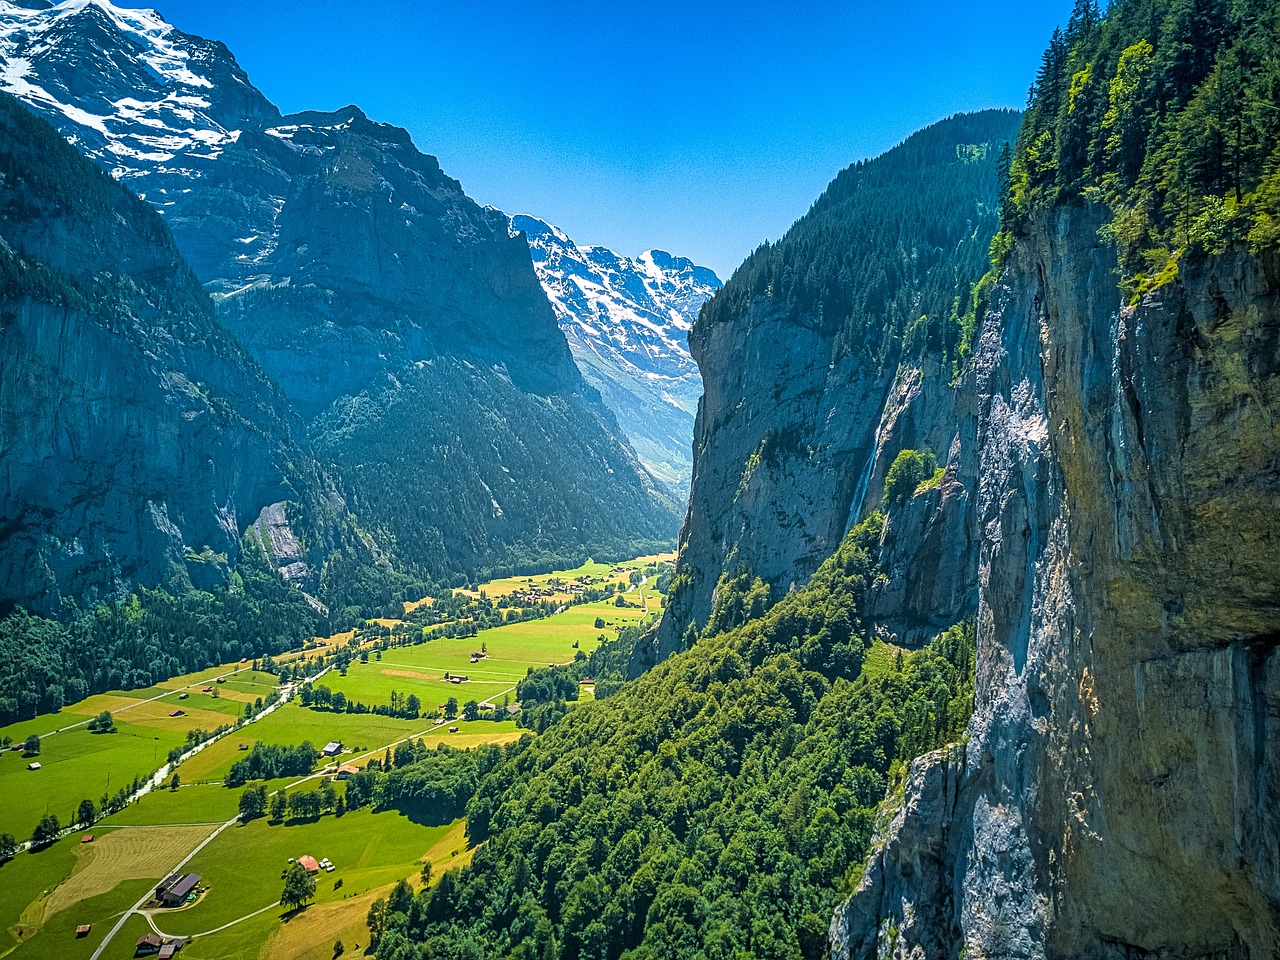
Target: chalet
{"x": 347, "y": 770}
{"x": 332, "y": 748}
{"x": 33, "y": 765}
{"x": 83, "y": 929}
{"x": 175, "y": 889}
{"x": 152, "y": 944}
{"x": 488, "y": 706}
{"x": 309, "y": 864}
{"x": 513, "y": 708}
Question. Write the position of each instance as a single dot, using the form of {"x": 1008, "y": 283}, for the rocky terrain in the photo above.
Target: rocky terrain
{"x": 138, "y": 439}
{"x": 349, "y": 265}
{"x": 1116, "y": 797}
{"x": 627, "y": 322}
{"x": 801, "y": 417}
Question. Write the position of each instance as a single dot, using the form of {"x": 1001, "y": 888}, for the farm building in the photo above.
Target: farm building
{"x": 33, "y": 765}
{"x": 453, "y": 729}
{"x": 183, "y": 696}
{"x": 178, "y": 713}
{"x": 152, "y": 944}
{"x": 207, "y": 690}
{"x": 347, "y": 770}
{"x": 87, "y": 838}
{"x": 309, "y": 864}
{"x": 83, "y": 929}
{"x": 175, "y": 889}
{"x": 332, "y": 749}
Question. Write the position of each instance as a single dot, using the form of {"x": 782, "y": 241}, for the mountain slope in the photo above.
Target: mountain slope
{"x": 348, "y": 263}
{"x": 138, "y": 438}
{"x": 627, "y": 322}
{"x": 799, "y": 353}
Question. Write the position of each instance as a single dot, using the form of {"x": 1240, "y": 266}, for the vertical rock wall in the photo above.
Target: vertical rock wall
{"x": 1117, "y": 796}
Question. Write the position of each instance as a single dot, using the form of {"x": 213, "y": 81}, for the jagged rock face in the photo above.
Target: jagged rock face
{"x": 136, "y": 438}
{"x": 1118, "y": 796}
{"x": 627, "y": 322}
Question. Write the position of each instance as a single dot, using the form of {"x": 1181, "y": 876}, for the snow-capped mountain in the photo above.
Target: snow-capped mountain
{"x": 627, "y": 322}
{"x": 163, "y": 99}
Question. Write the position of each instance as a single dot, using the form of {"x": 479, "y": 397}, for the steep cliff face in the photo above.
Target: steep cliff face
{"x": 820, "y": 360}
{"x": 1117, "y": 795}
{"x": 137, "y": 439}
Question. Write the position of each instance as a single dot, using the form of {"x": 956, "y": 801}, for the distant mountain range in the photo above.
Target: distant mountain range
{"x": 402, "y": 322}
{"x": 627, "y": 321}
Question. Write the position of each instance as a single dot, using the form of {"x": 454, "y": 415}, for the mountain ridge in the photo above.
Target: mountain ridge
{"x": 627, "y": 321}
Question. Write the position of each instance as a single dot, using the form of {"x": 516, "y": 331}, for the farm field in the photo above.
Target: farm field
{"x": 77, "y": 764}
{"x": 242, "y": 869}
{"x": 512, "y": 651}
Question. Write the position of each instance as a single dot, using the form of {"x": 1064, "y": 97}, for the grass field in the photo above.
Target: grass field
{"x": 77, "y": 764}
{"x": 513, "y": 649}
{"x": 243, "y": 866}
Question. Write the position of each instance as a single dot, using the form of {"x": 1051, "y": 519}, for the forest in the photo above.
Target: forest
{"x": 1166, "y": 113}
{"x": 712, "y": 806}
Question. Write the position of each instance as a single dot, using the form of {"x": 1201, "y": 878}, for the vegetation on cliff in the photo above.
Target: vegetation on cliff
{"x": 882, "y": 256}
{"x": 1167, "y": 112}
{"x": 711, "y": 807}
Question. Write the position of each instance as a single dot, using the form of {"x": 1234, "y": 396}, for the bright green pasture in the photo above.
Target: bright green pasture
{"x": 25, "y": 878}
{"x": 203, "y": 803}
{"x": 56, "y": 938}
{"x": 242, "y": 867}
{"x": 78, "y": 765}
{"x": 513, "y": 650}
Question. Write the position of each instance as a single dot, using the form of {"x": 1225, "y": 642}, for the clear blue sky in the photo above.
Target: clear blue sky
{"x": 699, "y": 128}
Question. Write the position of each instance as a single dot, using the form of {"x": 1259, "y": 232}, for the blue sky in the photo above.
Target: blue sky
{"x": 699, "y": 128}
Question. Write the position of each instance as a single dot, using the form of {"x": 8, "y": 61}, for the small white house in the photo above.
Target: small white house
{"x": 33, "y": 765}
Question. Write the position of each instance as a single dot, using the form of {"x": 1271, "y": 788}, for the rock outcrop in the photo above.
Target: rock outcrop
{"x": 1118, "y": 792}
{"x": 347, "y": 263}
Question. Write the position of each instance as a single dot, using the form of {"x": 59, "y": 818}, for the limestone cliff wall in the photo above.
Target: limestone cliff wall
{"x": 1117, "y": 796}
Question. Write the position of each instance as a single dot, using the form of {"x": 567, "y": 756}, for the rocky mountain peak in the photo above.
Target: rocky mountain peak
{"x": 126, "y": 87}
{"x": 627, "y": 321}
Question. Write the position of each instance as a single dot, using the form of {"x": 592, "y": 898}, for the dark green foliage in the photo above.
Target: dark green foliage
{"x": 909, "y": 469}
{"x": 884, "y": 253}
{"x": 8, "y": 846}
{"x": 149, "y": 637}
{"x": 46, "y": 830}
{"x": 31, "y": 746}
{"x": 448, "y": 466}
{"x": 253, "y": 802}
{"x": 710, "y": 807}
{"x": 103, "y": 723}
{"x": 1168, "y": 112}
{"x": 267, "y": 761}
{"x": 299, "y": 887}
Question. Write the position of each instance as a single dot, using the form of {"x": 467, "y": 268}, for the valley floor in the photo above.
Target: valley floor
{"x": 106, "y": 884}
